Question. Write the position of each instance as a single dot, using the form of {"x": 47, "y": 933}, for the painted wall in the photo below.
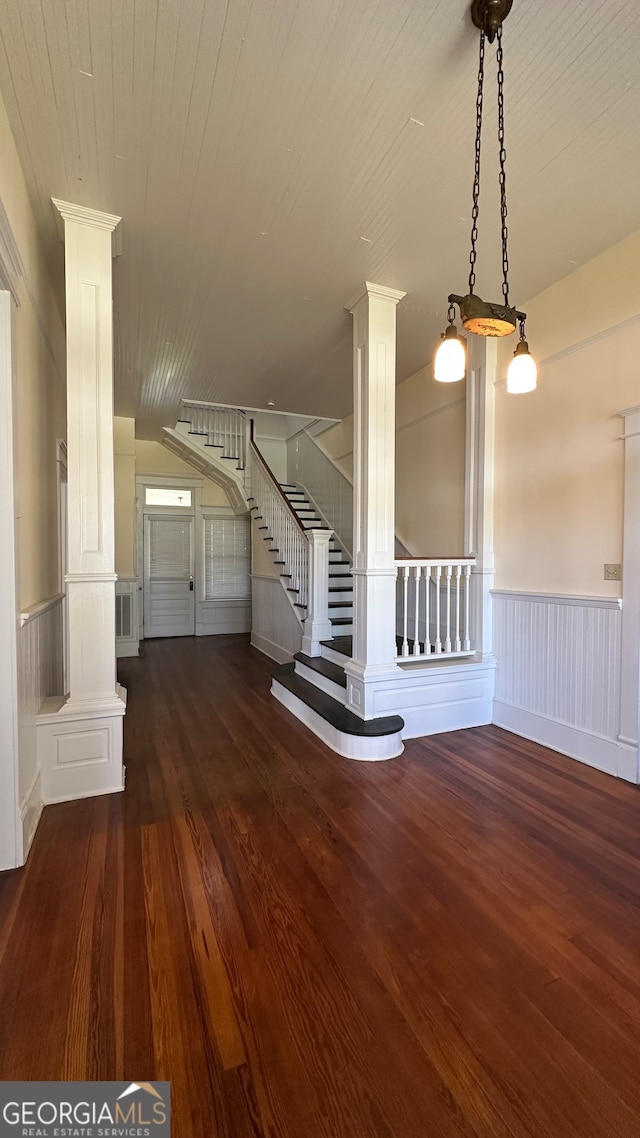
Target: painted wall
{"x": 124, "y": 455}
{"x": 274, "y": 452}
{"x": 40, "y": 388}
{"x": 559, "y": 461}
{"x": 39, "y": 406}
{"x": 430, "y": 458}
{"x": 153, "y": 458}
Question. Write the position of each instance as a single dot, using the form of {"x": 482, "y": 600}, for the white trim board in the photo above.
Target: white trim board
{"x": 608, "y": 755}
{"x": 273, "y": 651}
{"x": 560, "y": 599}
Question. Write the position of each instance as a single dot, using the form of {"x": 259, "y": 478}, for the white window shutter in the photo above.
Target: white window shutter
{"x": 227, "y": 554}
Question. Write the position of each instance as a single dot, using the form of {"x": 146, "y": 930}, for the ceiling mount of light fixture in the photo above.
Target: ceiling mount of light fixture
{"x": 489, "y": 15}
{"x": 481, "y": 317}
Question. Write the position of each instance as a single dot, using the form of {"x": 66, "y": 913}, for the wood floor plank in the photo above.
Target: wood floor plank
{"x": 444, "y": 945}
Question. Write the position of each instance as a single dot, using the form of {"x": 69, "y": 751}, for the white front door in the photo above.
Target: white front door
{"x": 169, "y": 598}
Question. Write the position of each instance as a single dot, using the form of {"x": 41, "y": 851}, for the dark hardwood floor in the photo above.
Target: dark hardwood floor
{"x": 307, "y": 947}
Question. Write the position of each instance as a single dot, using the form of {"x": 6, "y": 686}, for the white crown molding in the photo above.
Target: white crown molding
{"x": 93, "y": 218}
{"x": 628, "y": 411}
{"x": 370, "y": 289}
{"x": 11, "y": 265}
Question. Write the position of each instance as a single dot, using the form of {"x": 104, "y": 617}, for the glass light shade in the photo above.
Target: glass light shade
{"x": 522, "y": 375}
{"x": 450, "y": 362}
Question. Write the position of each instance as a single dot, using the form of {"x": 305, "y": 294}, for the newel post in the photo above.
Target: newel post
{"x": 317, "y": 626}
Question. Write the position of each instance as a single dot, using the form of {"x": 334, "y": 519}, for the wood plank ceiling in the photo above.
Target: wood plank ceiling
{"x": 267, "y": 156}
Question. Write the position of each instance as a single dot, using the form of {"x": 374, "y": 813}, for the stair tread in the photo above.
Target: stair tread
{"x": 340, "y": 604}
{"x": 332, "y": 710}
{"x": 341, "y": 644}
{"x": 342, "y": 620}
{"x": 324, "y": 667}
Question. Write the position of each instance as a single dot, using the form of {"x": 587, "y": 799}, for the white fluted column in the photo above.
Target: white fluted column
{"x": 374, "y": 573}
{"x": 83, "y": 741}
{"x": 317, "y": 626}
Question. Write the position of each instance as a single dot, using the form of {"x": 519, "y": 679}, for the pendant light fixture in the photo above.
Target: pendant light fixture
{"x": 485, "y": 318}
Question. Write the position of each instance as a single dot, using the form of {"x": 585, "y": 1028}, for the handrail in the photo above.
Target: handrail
{"x": 265, "y": 464}
{"x": 283, "y": 528}
{"x": 432, "y": 562}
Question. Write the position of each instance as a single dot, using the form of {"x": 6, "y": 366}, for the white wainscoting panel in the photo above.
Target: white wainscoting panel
{"x": 127, "y": 618}
{"x": 275, "y": 629}
{"x": 558, "y": 673}
{"x": 41, "y": 675}
{"x": 216, "y": 617}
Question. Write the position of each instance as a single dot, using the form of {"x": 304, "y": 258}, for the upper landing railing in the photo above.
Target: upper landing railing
{"x": 222, "y": 427}
{"x": 433, "y": 602}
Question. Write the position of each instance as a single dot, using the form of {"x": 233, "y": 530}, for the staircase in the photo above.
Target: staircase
{"x": 435, "y": 679}
{"x": 340, "y": 584}
{"x": 314, "y": 688}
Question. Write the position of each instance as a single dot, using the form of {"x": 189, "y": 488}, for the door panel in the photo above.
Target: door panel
{"x": 169, "y": 597}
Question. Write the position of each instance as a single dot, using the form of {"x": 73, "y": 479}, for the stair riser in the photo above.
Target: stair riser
{"x": 336, "y": 691}
{"x": 331, "y": 654}
{"x": 342, "y": 629}
{"x": 350, "y": 746}
{"x": 338, "y": 570}
{"x": 343, "y": 610}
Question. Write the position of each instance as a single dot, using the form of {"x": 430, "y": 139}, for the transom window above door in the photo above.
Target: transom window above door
{"x": 168, "y": 496}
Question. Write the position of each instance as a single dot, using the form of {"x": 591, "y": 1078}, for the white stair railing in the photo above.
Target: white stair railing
{"x": 284, "y": 527}
{"x": 433, "y": 603}
{"x": 222, "y": 427}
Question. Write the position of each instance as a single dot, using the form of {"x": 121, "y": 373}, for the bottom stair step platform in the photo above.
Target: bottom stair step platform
{"x": 369, "y": 740}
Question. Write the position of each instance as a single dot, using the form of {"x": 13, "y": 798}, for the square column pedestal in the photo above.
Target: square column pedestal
{"x": 80, "y": 735}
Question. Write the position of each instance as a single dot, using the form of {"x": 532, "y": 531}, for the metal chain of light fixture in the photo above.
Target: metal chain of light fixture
{"x": 480, "y": 317}
{"x": 502, "y": 177}
{"x": 476, "y": 174}
{"x": 502, "y": 157}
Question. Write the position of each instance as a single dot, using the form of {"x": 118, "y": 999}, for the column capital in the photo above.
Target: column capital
{"x": 368, "y": 289}
{"x": 92, "y": 218}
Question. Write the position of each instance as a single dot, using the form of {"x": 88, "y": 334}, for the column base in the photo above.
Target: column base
{"x": 80, "y": 746}
{"x": 315, "y": 631}
{"x": 361, "y": 685}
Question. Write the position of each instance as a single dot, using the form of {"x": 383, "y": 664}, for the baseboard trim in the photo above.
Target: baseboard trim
{"x": 270, "y": 649}
{"x": 597, "y": 751}
{"x": 30, "y": 812}
{"x": 84, "y": 794}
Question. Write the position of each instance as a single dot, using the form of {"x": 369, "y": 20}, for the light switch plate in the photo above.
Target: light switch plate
{"x": 613, "y": 572}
